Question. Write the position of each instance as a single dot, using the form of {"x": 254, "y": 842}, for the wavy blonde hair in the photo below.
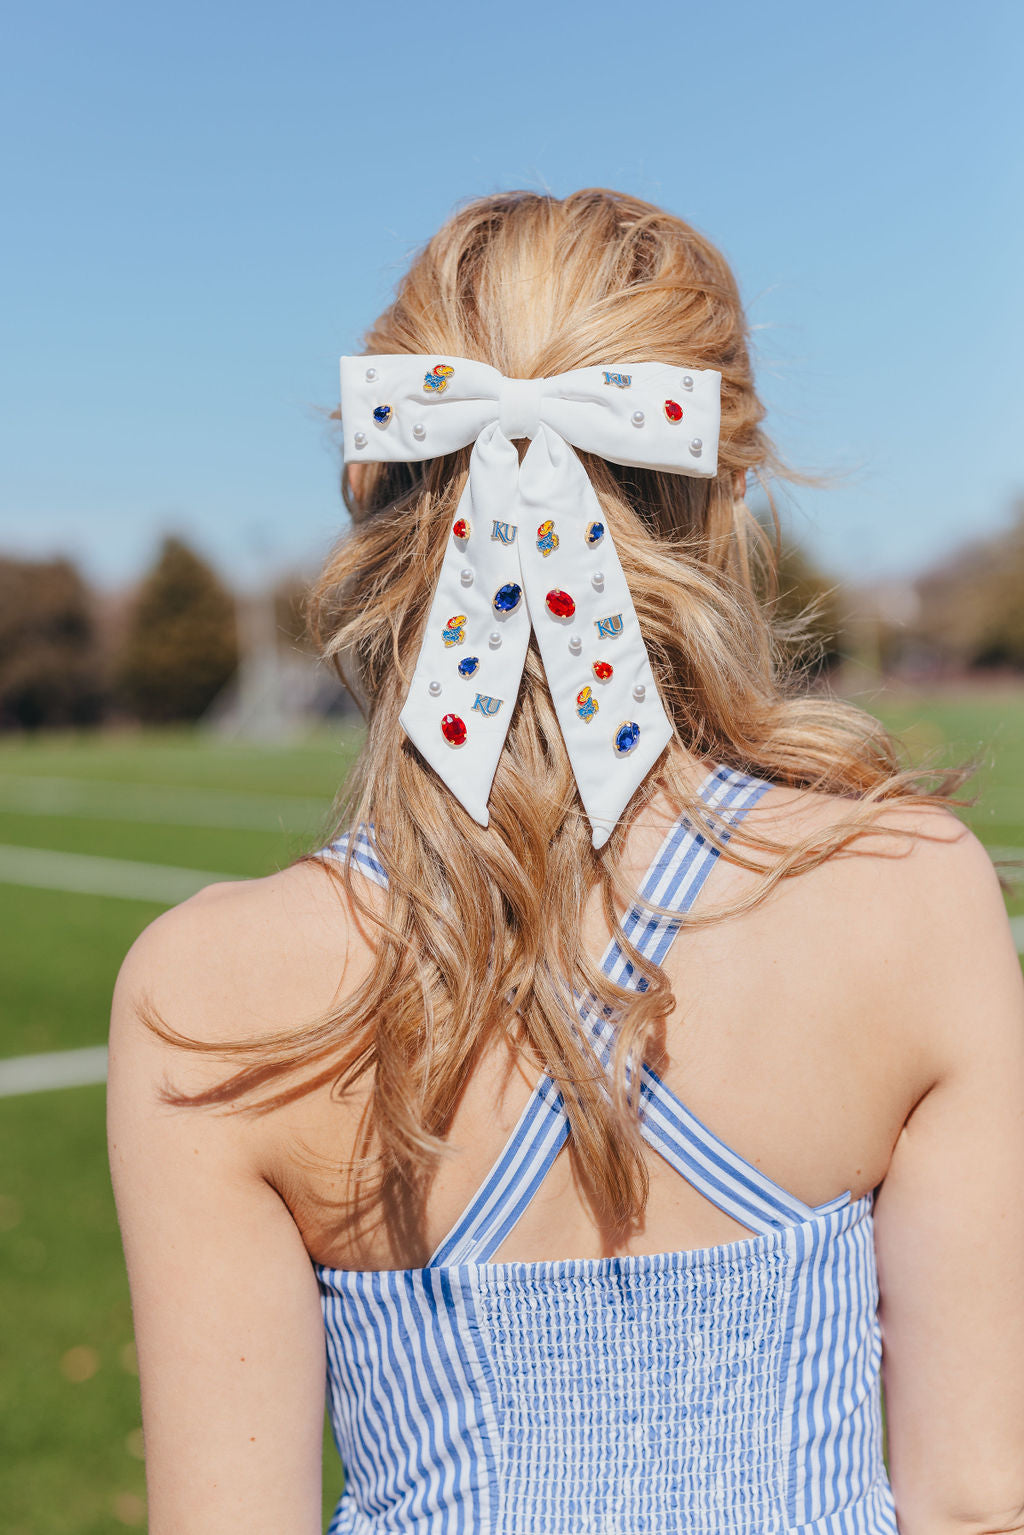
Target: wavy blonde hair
{"x": 478, "y": 936}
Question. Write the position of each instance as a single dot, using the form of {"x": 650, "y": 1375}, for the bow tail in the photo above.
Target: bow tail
{"x": 598, "y": 672}
{"x": 529, "y": 546}
{"x": 467, "y": 675}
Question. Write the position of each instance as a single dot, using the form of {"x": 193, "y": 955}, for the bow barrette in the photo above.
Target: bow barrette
{"x": 529, "y": 548}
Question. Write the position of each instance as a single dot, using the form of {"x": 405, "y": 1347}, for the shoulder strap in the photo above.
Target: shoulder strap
{"x": 673, "y": 881}
{"x": 360, "y": 843}
{"x": 668, "y": 1126}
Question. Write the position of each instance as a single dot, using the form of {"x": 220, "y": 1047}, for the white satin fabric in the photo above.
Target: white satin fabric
{"x": 533, "y": 527}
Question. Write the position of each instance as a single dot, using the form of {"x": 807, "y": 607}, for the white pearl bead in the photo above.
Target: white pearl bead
{"x": 575, "y": 645}
{"x": 434, "y": 690}
{"x": 494, "y": 640}
{"x": 696, "y": 445}
{"x": 637, "y": 418}
{"x": 419, "y": 431}
{"x": 639, "y": 692}
{"x": 371, "y": 374}
{"x": 687, "y": 382}
{"x": 597, "y": 580}
{"x": 466, "y": 576}
{"x": 360, "y": 439}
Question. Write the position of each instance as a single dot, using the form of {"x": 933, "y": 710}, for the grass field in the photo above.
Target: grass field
{"x": 69, "y": 1415}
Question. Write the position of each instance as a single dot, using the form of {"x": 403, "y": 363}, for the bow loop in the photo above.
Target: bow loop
{"x": 529, "y": 550}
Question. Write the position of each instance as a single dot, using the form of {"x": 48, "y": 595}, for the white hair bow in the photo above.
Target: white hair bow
{"x": 529, "y": 548}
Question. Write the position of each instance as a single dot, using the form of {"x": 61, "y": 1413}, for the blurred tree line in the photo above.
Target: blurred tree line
{"x": 960, "y": 619}
{"x": 972, "y": 604}
{"x": 165, "y": 651}
{"x": 48, "y": 673}
{"x": 68, "y": 657}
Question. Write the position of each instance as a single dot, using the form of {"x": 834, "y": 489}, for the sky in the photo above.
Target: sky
{"x": 204, "y": 205}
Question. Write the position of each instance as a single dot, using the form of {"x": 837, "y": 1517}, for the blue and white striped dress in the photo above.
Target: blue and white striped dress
{"x": 723, "y": 1391}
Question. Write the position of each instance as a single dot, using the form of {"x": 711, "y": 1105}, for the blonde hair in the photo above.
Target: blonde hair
{"x": 479, "y": 935}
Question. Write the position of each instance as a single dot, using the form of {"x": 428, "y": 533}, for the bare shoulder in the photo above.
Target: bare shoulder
{"x": 237, "y": 960}
{"x": 918, "y": 892}
{"x": 921, "y": 840}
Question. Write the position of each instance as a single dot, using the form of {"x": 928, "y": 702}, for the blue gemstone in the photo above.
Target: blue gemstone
{"x": 507, "y": 598}
{"x": 595, "y": 533}
{"x": 382, "y": 414}
{"x": 468, "y": 666}
{"x": 626, "y": 737}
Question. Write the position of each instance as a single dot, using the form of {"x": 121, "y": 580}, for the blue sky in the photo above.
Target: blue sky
{"x": 204, "y": 205}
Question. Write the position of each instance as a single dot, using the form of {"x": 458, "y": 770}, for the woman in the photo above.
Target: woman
{"x": 397, "y": 1105}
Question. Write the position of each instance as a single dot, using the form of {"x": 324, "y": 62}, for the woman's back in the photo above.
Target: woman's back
{"x": 799, "y": 1036}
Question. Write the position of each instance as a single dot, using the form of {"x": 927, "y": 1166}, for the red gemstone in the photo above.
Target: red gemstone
{"x": 454, "y": 730}
{"x": 460, "y": 528}
{"x": 602, "y": 670}
{"x": 673, "y": 411}
{"x": 560, "y": 603}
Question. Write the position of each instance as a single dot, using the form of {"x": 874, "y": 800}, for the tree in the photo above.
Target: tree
{"x": 805, "y": 606}
{"x": 290, "y": 597}
{"x": 181, "y": 646}
{"x": 49, "y": 669}
{"x": 810, "y": 600}
{"x": 972, "y": 604}
{"x": 1000, "y": 637}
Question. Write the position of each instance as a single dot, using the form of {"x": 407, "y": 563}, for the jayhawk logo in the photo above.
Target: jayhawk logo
{"x": 586, "y": 704}
{"x": 454, "y": 632}
{"x": 437, "y": 379}
{"x": 547, "y": 538}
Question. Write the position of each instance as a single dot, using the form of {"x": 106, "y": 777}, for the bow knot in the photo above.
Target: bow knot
{"x": 529, "y": 549}
{"x": 519, "y": 406}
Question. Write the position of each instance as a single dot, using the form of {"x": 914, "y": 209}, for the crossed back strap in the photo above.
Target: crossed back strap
{"x": 732, "y": 1183}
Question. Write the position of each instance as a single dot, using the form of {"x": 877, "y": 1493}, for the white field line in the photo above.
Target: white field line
{"x": 997, "y": 853}
{"x": 160, "y": 805}
{"x": 83, "y": 874}
{"x": 58, "y": 1068}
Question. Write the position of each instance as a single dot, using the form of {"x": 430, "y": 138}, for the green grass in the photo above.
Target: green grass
{"x": 947, "y": 732}
{"x": 311, "y": 767}
{"x": 231, "y": 851}
{"x": 68, "y": 1458}
{"x": 71, "y": 1463}
{"x": 60, "y": 956}
{"x": 950, "y": 731}
{"x": 50, "y": 1006}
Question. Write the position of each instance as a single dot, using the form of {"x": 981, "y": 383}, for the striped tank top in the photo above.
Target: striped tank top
{"x": 731, "y": 1390}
